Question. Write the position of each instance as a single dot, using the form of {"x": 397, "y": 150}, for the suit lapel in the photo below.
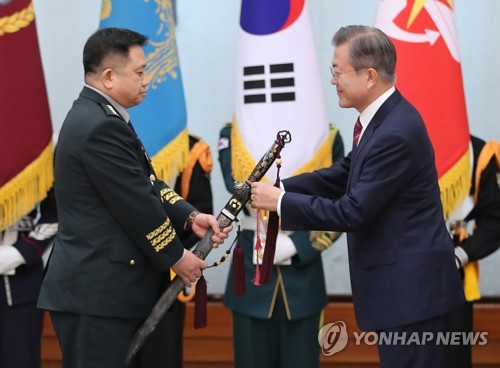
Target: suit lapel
{"x": 377, "y": 119}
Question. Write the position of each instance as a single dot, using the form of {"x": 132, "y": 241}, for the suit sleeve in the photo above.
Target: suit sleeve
{"x": 112, "y": 163}
{"x": 312, "y": 202}
{"x": 328, "y": 182}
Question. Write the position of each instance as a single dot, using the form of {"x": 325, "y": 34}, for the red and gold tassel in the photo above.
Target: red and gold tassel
{"x": 258, "y": 250}
{"x": 271, "y": 236}
{"x": 268, "y": 259}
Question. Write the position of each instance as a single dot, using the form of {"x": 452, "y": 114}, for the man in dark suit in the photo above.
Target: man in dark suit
{"x": 385, "y": 196}
{"x": 118, "y": 228}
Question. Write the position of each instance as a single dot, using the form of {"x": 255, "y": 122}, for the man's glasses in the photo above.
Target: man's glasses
{"x": 336, "y": 75}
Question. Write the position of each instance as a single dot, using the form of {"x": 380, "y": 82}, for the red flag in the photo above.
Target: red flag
{"x": 26, "y": 163}
{"x": 429, "y": 75}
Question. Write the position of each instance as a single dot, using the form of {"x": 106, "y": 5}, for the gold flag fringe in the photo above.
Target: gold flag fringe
{"x": 242, "y": 162}
{"x": 455, "y": 184}
{"x": 173, "y": 158}
{"x": 323, "y": 157}
{"x": 19, "y": 195}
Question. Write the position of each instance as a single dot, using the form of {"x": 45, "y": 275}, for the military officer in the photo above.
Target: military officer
{"x": 119, "y": 225}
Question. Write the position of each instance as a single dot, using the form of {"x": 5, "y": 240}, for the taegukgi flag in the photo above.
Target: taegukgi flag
{"x": 26, "y": 148}
{"x": 429, "y": 75}
{"x": 160, "y": 120}
{"x": 278, "y": 87}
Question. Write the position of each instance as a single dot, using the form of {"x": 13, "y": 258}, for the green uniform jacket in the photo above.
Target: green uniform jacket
{"x": 302, "y": 283}
{"x": 115, "y": 238}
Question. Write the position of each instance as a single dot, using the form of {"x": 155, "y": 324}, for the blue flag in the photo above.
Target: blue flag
{"x": 160, "y": 120}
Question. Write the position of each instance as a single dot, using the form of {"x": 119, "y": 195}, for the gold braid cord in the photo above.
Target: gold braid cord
{"x": 322, "y": 240}
{"x": 21, "y": 19}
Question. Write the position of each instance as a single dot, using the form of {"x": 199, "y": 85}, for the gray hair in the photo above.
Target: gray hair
{"x": 370, "y": 48}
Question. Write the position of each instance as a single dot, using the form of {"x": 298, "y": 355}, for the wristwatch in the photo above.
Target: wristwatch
{"x": 190, "y": 220}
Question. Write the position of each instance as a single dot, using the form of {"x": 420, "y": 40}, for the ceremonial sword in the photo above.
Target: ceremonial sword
{"x": 205, "y": 245}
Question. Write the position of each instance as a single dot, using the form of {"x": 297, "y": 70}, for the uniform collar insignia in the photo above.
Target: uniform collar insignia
{"x": 112, "y": 109}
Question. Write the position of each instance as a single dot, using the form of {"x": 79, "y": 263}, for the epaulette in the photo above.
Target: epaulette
{"x": 110, "y": 110}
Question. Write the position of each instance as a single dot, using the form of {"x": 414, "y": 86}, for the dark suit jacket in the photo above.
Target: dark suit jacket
{"x": 114, "y": 238}
{"x": 385, "y": 195}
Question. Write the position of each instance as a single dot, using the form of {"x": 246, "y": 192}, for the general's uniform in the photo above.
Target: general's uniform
{"x": 276, "y": 324}
{"x": 115, "y": 239}
{"x": 20, "y": 321}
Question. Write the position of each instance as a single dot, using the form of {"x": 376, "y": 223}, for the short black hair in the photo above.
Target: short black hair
{"x": 106, "y": 42}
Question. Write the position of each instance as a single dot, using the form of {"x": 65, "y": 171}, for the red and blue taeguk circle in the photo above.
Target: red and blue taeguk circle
{"x": 263, "y": 17}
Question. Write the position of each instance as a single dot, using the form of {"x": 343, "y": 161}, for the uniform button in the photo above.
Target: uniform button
{"x": 132, "y": 262}
{"x": 152, "y": 177}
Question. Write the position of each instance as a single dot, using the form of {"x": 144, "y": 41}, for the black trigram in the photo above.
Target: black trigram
{"x": 250, "y": 84}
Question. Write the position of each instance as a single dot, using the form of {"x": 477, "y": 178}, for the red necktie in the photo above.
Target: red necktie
{"x": 357, "y": 132}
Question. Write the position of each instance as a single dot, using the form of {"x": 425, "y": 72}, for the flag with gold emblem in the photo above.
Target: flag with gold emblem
{"x": 429, "y": 75}
{"x": 278, "y": 87}
{"x": 160, "y": 120}
{"x": 26, "y": 154}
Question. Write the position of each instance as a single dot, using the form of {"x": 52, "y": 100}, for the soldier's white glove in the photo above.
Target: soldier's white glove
{"x": 10, "y": 259}
{"x": 461, "y": 257}
{"x": 285, "y": 250}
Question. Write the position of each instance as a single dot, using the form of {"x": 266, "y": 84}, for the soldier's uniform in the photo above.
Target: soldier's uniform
{"x": 20, "y": 321}
{"x": 116, "y": 238}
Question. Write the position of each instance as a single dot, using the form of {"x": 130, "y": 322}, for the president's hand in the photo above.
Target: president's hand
{"x": 202, "y": 222}
{"x": 265, "y": 196}
{"x": 189, "y": 268}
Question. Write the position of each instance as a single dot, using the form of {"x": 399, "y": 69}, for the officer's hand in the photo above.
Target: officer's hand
{"x": 189, "y": 268}
{"x": 202, "y": 222}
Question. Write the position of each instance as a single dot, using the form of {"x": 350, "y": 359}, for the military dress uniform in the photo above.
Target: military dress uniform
{"x": 277, "y": 324}
{"x": 20, "y": 321}
{"x": 117, "y": 233}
